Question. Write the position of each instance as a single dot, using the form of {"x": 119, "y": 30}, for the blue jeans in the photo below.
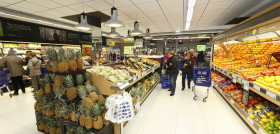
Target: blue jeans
{"x": 173, "y": 78}
{"x": 189, "y": 78}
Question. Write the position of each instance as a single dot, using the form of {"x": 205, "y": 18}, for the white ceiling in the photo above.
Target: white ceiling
{"x": 158, "y": 15}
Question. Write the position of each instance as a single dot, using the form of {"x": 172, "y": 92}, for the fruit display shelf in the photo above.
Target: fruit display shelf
{"x": 275, "y": 98}
{"x": 108, "y": 88}
{"x": 250, "y": 122}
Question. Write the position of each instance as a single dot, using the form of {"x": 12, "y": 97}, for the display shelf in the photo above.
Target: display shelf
{"x": 250, "y": 122}
{"x": 147, "y": 93}
{"x": 274, "y": 98}
{"x": 108, "y": 88}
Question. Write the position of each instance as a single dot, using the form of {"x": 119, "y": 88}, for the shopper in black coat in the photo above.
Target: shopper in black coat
{"x": 187, "y": 69}
{"x": 172, "y": 71}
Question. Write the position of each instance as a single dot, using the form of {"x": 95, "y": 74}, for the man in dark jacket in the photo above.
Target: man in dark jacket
{"x": 172, "y": 71}
{"x": 187, "y": 70}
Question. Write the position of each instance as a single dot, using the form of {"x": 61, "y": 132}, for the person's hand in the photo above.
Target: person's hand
{"x": 185, "y": 64}
{"x": 186, "y": 57}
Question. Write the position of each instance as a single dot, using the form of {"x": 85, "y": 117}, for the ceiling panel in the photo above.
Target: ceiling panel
{"x": 54, "y": 13}
{"x": 30, "y": 6}
{"x": 79, "y": 7}
{"x": 10, "y": 1}
{"x": 148, "y": 6}
{"x": 21, "y": 9}
{"x": 201, "y": 2}
{"x": 3, "y": 4}
{"x": 66, "y": 2}
{"x": 98, "y": 5}
{"x": 219, "y": 5}
{"x": 154, "y": 13}
{"x": 68, "y": 11}
{"x": 119, "y": 3}
{"x": 141, "y": 1}
{"x": 245, "y": 2}
{"x": 165, "y": 4}
{"x": 45, "y": 3}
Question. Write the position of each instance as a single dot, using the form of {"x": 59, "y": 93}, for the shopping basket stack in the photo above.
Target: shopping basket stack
{"x": 201, "y": 77}
{"x": 4, "y": 81}
{"x": 165, "y": 82}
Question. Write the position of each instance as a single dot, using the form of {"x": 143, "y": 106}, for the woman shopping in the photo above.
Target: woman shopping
{"x": 172, "y": 71}
{"x": 34, "y": 65}
{"x": 187, "y": 70}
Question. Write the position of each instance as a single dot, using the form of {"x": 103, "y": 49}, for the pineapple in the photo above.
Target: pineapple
{"x": 101, "y": 99}
{"x": 58, "y": 80}
{"x": 106, "y": 122}
{"x": 54, "y": 88}
{"x": 80, "y": 79}
{"x": 65, "y": 111}
{"x": 42, "y": 125}
{"x": 80, "y": 63}
{"x": 58, "y": 131}
{"x": 52, "y": 59}
{"x": 92, "y": 93}
{"x": 52, "y": 126}
{"x": 48, "y": 88}
{"x": 62, "y": 63}
{"x": 71, "y": 91}
{"x": 88, "y": 119}
{"x": 87, "y": 78}
{"x": 70, "y": 129}
{"x": 86, "y": 101}
{"x": 82, "y": 115}
{"x": 46, "y": 128}
{"x": 39, "y": 94}
{"x": 98, "y": 120}
{"x": 72, "y": 61}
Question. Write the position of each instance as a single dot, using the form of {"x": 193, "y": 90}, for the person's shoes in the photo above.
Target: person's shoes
{"x": 171, "y": 94}
{"x": 23, "y": 92}
{"x": 169, "y": 90}
{"x": 15, "y": 94}
{"x": 33, "y": 91}
{"x": 183, "y": 88}
{"x": 189, "y": 87}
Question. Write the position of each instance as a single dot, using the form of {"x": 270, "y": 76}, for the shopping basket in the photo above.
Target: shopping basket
{"x": 43, "y": 72}
{"x": 165, "y": 82}
{"x": 201, "y": 77}
{"x": 4, "y": 81}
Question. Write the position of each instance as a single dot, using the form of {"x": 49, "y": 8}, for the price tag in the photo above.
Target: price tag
{"x": 270, "y": 94}
{"x": 232, "y": 101}
{"x": 261, "y": 131}
{"x": 245, "y": 84}
{"x": 239, "y": 79}
{"x": 234, "y": 77}
{"x": 153, "y": 69}
{"x": 137, "y": 106}
{"x": 214, "y": 67}
{"x": 250, "y": 120}
{"x": 257, "y": 87}
{"x": 135, "y": 78}
{"x": 124, "y": 85}
{"x": 139, "y": 76}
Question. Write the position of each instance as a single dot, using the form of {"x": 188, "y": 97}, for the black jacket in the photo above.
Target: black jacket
{"x": 172, "y": 66}
{"x": 189, "y": 67}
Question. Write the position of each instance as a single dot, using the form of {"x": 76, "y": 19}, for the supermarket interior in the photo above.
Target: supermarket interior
{"x": 140, "y": 66}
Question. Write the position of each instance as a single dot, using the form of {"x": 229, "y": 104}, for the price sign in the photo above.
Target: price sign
{"x": 250, "y": 120}
{"x": 124, "y": 85}
{"x": 232, "y": 101}
{"x": 135, "y": 78}
{"x": 245, "y": 84}
{"x": 257, "y": 87}
{"x": 245, "y": 97}
{"x": 239, "y": 79}
{"x": 234, "y": 78}
{"x": 270, "y": 94}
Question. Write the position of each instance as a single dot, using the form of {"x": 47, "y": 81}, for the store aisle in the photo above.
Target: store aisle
{"x": 162, "y": 114}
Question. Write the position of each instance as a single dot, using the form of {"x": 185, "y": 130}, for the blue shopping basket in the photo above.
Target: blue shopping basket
{"x": 202, "y": 77}
{"x": 165, "y": 82}
{"x": 43, "y": 72}
{"x": 4, "y": 81}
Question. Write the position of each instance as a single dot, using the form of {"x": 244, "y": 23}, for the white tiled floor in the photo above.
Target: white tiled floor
{"x": 159, "y": 114}
{"x": 179, "y": 114}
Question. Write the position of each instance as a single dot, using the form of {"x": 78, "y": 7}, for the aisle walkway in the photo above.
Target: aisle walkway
{"x": 179, "y": 114}
{"x": 160, "y": 114}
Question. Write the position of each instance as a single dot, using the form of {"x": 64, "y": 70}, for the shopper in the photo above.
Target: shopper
{"x": 172, "y": 71}
{"x": 27, "y": 58}
{"x": 34, "y": 65}
{"x": 166, "y": 58}
{"x": 200, "y": 59}
{"x": 15, "y": 65}
{"x": 187, "y": 70}
{"x": 193, "y": 56}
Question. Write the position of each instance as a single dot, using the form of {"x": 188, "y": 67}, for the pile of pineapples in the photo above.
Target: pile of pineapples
{"x": 63, "y": 60}
{"x": 70, "y": 98}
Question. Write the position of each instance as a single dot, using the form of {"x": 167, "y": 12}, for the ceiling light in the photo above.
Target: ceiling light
{"x": 191, "y": 4}
{"x": 114, "y": 22}
{"x": 128, "y": 35}
{"x": 147, "y": 35}
{"x": 83, "y": 25}
{"x": 113, "y": 33}
{"x": 136, "y": 31}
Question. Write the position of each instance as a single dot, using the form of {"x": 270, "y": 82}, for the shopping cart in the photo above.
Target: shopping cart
{"x": 201, "y": 77}
{"x": 4, "y": 81}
